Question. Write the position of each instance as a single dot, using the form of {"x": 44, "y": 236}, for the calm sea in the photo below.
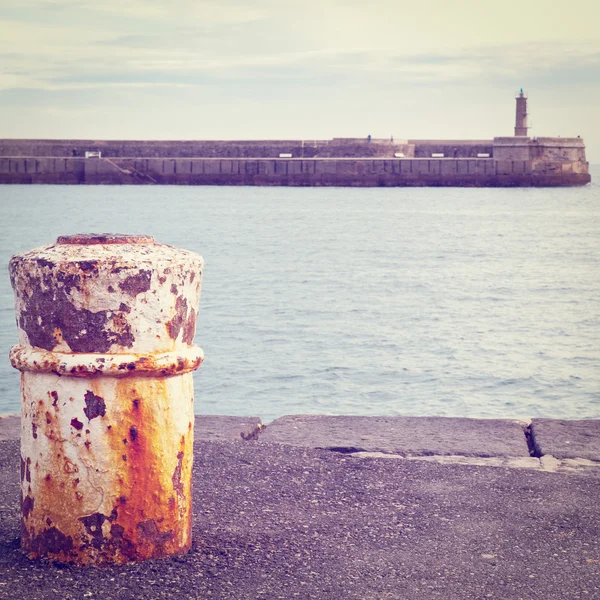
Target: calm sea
{"x": 449, "y": 302}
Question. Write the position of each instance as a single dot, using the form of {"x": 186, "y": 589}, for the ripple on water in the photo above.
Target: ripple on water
{"x": 475, "y": 303}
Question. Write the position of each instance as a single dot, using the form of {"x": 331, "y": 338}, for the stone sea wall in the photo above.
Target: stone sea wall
{"x": 293, "y": 172}
{"x": 510, "y": 161}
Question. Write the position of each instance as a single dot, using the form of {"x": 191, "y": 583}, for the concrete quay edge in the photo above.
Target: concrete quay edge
{"x": 543, "y": 444}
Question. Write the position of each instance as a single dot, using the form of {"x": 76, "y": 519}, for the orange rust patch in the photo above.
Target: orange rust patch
{"x": 144, "y": 490}
{"x": 70, "y": 467}
{"x": 88, "y": 239}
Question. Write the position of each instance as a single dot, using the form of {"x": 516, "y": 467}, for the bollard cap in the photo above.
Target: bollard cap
{"x": 89, "y": 239}
{"x": 107, "y": 293}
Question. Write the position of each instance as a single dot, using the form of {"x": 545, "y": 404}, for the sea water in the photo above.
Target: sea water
{"x": 384, "y": 301}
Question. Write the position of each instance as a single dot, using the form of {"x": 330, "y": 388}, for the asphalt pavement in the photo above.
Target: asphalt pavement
{"x": 358, "y": 507}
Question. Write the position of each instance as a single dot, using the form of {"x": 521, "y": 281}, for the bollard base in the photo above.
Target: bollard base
{"x": 106, "y": 468}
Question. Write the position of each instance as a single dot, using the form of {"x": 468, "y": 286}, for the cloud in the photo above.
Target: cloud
{"x": 54, "y": 43}
{"x": 155, "y": 64}
{"x": 224, "y": 11}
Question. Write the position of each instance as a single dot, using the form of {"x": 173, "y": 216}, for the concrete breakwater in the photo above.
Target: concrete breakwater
{"x": 355, "y": 172}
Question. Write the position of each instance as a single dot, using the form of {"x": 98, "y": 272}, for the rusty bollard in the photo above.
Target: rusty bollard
{"x": 106, "y": 327}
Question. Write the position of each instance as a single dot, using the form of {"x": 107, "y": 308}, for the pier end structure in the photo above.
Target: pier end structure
{"x": 511, "y": 161}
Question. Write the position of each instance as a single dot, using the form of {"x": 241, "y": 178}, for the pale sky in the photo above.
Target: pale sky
{"x": 264, "y": 69}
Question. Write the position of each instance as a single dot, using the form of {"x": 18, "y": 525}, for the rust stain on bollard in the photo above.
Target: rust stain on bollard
{"x": 106, "y": 326}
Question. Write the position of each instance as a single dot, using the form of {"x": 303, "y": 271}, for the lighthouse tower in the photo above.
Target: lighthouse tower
{"x": 521, "y": 117}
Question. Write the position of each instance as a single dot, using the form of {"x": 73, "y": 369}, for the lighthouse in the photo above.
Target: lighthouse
{"x": 521, "y": 116}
